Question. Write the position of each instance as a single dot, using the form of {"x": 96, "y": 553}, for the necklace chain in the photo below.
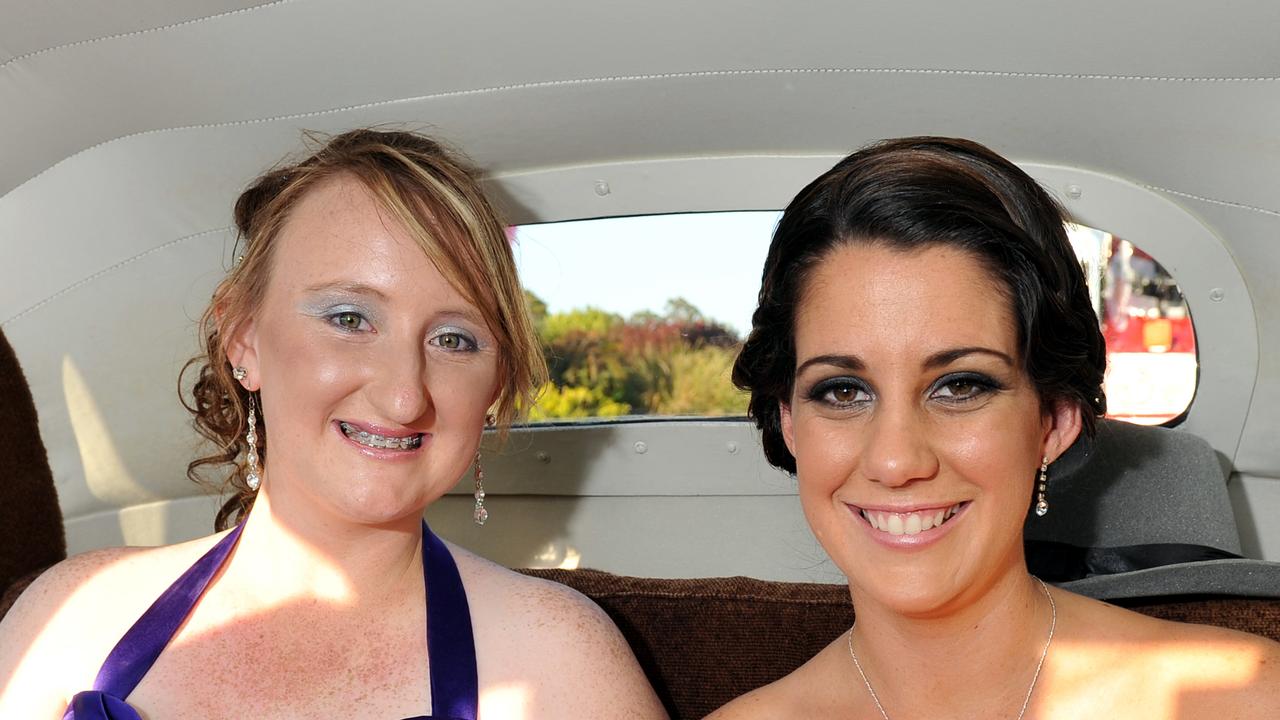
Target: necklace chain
{"x": 1053, "y": 624}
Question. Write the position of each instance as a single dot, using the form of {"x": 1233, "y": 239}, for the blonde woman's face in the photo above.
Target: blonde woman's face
{"x": 916, "y": 433}
{"x": 375, "y": 373}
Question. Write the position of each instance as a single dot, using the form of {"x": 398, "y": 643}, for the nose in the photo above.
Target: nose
{"x": 897, "y": 449}
{"x": 398, "y": 387}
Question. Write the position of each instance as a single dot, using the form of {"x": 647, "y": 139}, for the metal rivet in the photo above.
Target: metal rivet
{"x": 542, "y": 456}
{"x": 641, "y": 447}
{"x": 602, "y": 188}
{"x": 1217, "y": 294}
{"x": 1074, "y": 191}
{"x": 733, "y": 447}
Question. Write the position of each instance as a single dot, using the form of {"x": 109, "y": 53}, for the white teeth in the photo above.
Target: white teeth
{"x": 913, "y": 524}
{"x": 380, "y": 441}
{"x": 908, "y": 523}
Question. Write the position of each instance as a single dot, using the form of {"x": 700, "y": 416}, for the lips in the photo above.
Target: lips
{"x": 912, "y": 522}
{"x": 362, "y": 436}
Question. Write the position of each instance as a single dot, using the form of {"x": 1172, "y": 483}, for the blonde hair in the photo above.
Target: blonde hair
{"x": 436, "y": 197}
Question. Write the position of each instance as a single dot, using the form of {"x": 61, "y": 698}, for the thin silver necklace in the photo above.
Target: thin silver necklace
{"x": 1053, "y": 624}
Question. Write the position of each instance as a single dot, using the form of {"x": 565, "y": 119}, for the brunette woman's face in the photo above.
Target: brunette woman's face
{"x": 916, "y": 432}
{"x": 375, "y": 373}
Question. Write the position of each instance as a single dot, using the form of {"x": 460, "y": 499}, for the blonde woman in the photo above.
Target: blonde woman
{"x": 352, "y": 358}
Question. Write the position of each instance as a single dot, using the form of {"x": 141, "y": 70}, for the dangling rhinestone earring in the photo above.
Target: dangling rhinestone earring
{"x": 480, "y": 514}
{"x": 239, "y": 373}
{"x": 252, "y": 479}
{"x": 1042, "y": 505}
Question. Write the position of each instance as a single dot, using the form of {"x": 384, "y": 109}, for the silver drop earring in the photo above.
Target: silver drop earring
{"x": 239, "y": 373}
{"x": 252, "y": 479}
{"x": 1042, "y": 505}
{"x": 480, "y": 515}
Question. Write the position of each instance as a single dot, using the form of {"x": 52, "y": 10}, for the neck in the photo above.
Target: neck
{"x": 976, "y": 659}
{"x": 283, "y": 556}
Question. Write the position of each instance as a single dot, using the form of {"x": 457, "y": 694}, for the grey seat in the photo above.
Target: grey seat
{"x": 1143, "y": 511}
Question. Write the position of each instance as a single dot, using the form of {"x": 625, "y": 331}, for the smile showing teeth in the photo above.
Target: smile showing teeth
{"x": 381, "y": 442}
{"x": 912, "y": 523}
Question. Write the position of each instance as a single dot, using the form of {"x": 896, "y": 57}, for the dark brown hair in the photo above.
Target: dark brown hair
{"x": 436, "y": 197}
{"x": 914, "y": 193}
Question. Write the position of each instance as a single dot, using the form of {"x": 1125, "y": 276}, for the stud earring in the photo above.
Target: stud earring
{"x": 253, "y": 479}
{"x": 239, "y": 373}
{"x": 1042, "y": 505}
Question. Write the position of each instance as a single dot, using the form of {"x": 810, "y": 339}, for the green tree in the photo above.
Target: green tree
{"x": 701, "y": 384}
{"x": 556, "y": 403}
{"x": 683, "y": 312}
{"x": 602, "y": 365}
{"x": 537, "y": 310}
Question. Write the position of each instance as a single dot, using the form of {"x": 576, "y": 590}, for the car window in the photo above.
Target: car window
{"x": 641, "y": 317}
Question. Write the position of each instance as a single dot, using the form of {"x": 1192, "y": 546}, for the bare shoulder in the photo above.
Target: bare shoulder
{"x": 818, "y": 688}
{"x": 59, "y": 595}
{"x": 1207, "y": 668}
{"x": 1228, "y": 673}
{"x": 529, "y": 629}
{"x": 770, "y": 701}
{"x": 61, "y": 628}
{"x": 561, "y": 609}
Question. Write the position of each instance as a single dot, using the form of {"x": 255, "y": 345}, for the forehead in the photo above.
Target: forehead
{"x": 338, "y": 232}
{"x": 868, "y": 299}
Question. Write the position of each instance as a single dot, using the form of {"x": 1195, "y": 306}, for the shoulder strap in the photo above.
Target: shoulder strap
{"x": 137, "y": 651}
{"x": 451, "y": 648}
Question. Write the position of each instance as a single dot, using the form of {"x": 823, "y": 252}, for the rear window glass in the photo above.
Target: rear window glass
{"x": 643, "y": 316}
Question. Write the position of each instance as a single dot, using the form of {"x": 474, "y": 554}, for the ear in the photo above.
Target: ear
{"x": 1061, "y": 428}
{"x": 242, "y": 351}
{"x": 788, "y": 429}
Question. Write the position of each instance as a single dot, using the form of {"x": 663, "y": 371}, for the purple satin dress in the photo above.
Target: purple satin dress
{"x": 450, "y": 646}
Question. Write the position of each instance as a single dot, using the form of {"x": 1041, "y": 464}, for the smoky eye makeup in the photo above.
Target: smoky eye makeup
{"x": 841, "y": 392}
{"x": 958, "y": 388}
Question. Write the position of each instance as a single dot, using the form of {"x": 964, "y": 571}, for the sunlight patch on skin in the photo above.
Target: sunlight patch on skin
{"x": 105, "y": 473}
{"x": 508, "y": 700}
{"x": 1172, "y": 672}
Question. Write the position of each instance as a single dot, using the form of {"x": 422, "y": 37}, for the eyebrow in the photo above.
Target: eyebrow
{"x": 946, "y": 357}
{"x": 936, "y": 360}
{"x": 356, "y": 288}
{"x": 348, "y": 287}
{"x": 847, "y": 362}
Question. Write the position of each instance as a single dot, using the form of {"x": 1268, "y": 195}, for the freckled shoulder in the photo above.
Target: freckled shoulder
{"x": 57, "y": 634}
{"x": 542, "y": 634}
{"x": 543, "y": 603}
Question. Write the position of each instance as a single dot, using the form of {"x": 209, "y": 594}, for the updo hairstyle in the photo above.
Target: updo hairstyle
{"x": 911, "y": 194}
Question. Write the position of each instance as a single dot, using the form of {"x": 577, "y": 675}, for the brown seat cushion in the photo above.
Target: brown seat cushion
{"x": 704, "y": 642}
{"x": 31, "y": 533}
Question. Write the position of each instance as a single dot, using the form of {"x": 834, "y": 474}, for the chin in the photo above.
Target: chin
{"x": 908, "y": 594}
{"x": 379, "y": 504}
